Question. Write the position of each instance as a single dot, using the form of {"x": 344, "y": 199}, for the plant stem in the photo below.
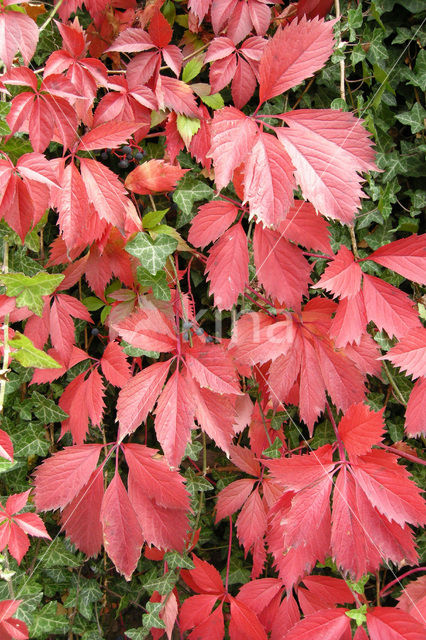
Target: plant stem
{"x": 393, "y": 384}
{"x": 402, "y": 454}
{"x": 398, "y": 580}
{"x": 51, "y": 16}
{"x": 4, "y": 369}
{"x": 228, "y": 560}
{"x": 338, "y": 438}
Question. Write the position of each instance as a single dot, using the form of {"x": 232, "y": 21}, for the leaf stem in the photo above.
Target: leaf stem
{"x": 398, "y": 580}
{"x": 6, "y": 350}
{"x": 393, "y": 384}
{"x": 402, "y": 454}
{"x": 51, "y": 16}
{"x": 228, "y": 560}
{"x": 336, "y": 431}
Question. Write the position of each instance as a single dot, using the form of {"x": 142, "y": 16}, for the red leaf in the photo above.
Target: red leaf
{"x": 304, "y": 226}
{"x": 176, "y": 95}
{"x": 204, "y": 578}
{"x": 195, "y": 612}
{"x": 110, "y": 134}
{"x": 81, "y": 517}
{"x": 148, "y": 329}
{"x": 72, "y": 204}
{"x": 360, "y": 429}
{"x": 138, "y": 396}
{"x": 233, "y": 135}
{"x": 257, "y": 594}
{"x": 389, "y": 488}
{"x": 298, "y": 472}
{"x": 343, "y": 275}
{"x": 258, "y": 338}
{"x": 385, "y": 623}
{"x": 415, "y": 413}
{"x": 211, "y": 222}
{"x": 115, "y": 366}
{"x": 174, "y": 418}
{"x": 212, "y": 367}
{"x": 413, "y": 598}
{"x": 251, "y": 522}
{"x": 323, "y": 592}
{"x": 121, "y": 531}
{"x": 349, "y": 323}
{"x": 388, "y": 307}
{"x": 312, "y": 8}
{"x": 280, "y": 267}
{"x": 406, "y": 256}
{"x": 6, "y": 446}
{"x": 154, "y": 176}
{"x": 244, "y": 624}
{"x": 244, "y": 459}
{"x": 294, "y": 54}
{"x": 268, "y": 180}
{"x": 105, "y": 192}
{"x": 328, "y": 624}
{"x": 215, "y": 414}
{"x": 160, "y": 30}
{"x": 232, "y": 497}
{"x": 409, "y": 354}
{"x": 60, "y": 478}
{"x": 227, "y": 267}
{"x": 328, "y": 149}
{"x": 19, "y": 33}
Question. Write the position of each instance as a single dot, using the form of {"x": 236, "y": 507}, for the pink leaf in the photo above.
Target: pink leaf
{"x": 360, "y": 429}
{"x": 415, "y": 413}
{"x": 211, "y": 222}
{"x": 406, "y": 256}
{"x": 233, "y": 135}
{"x": 59, "y": 478}
{"x": 232, "y": 497}
{"x": 343, "y": 275}
{"x": 227, "y": 267}
{"x": 409, "y": 354}
{"x": 328, "y": 624}
{"x": 268, "y": 180}
{"x": 121, "y": 531}
{"x": 244, "y": 624}
{"x": 138, "y": 396}
{"x": 115, "y": 366}
{"x": 294, "y": 54}
{"x": 385, "y": 623}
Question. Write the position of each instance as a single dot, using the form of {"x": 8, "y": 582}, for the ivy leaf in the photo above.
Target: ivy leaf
{"x": 46, "y": 410}
{"x": 29, "y": 291}
{"x": 30, "y": 441}
{"x": 175, "y": 559}
{"x": 188, "y": 192}
{"x": 48, "y": 621}
{"x": 152, "y": 618}
{"x": 164, "y": 584}
{"x": 137, "y": 634}
{"x": 151, "y": 253}
{"x": 157, "y": 282}
{"x": 29, "y": 356}
{"x": 58, "y": 555}
{"x": 415, "y": 118}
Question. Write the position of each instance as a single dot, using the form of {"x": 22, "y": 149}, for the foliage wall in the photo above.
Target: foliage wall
{"x": 212, "y": 384}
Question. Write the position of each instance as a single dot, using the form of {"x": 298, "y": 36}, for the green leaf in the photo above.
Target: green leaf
{"x": 164, "y": 584}
{"x": 175, "y": 560}
{"x": 188, "y": 192}
{"x": 192, "y": 69}
{"x": 29, "y": 356}
{"x": 359, "y": 615}
{"x": 137, "y": 634}
{"x": 158, "y": 282}
{"x": 153, "y": 218}
{"x": 48, "y": 621}
{"x": 274, "y": 450}
{"x": 58, "y": 555}
{"x": 47, "y": 410}
{"x": 152, "y": 618}
{"x": 215, "y": 101}
{"x": 92, "y": 303}
{"x": 415, "y": 118}
{"x": 83, "y": 596}
{"x": 28, "y": 291}
{"x": 151, "y": 253}
{"x": 196, "y": 483}
{"x": 187, "y": 127}
{"x": 16, "y": 147}
{"x": 30, "y": 440}
{"x": 4, "y": 110}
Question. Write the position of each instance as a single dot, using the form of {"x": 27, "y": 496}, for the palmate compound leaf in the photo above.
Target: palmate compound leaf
{"x": 294, "y": 54}
{"x": 329, "y": 149}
